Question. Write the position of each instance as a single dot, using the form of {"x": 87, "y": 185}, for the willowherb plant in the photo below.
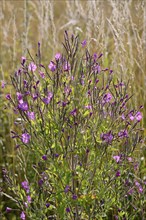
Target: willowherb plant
{"x": 76, "y": 139}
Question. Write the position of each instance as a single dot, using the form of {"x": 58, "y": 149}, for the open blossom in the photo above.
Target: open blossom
{"x": 107, "y": 137}
{"x": 57, "y": 56}
{"x": 123, "y": 133}
{"x": 89, "y": 107}
{"x": 74, "y": 112}
{"x": 47, "y": 99}
{"x": 23, "y": 106}
{"x": 19, "y": 96}
{"x": 32, "y": 67}
{"x": 131, "y": 116}
{"x": 22, "y": 216}
{"x": 106, "y": 98}
{"x": 25, "y": 186}
{"x": 42, "y": 74}
{"x": 117, "y": 158}
{"x": 25, "y": 138}
{"x": 52, "y": 66}
{"x": 31, "y": 115}
{"x": 67, "y": 188}
{"x": 138, "y": 116}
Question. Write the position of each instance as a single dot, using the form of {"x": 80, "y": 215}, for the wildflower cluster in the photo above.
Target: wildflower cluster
{"x": 79, "y": 135}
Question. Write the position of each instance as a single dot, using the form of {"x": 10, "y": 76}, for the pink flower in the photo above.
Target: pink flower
{"x": 22, "y": 216}
{"x": 129, "y": 159}
{"x": 116, "y": 158}
{"x": 31, "y": 115}
{"x": 42, "y": 74}
{"x": 131, "y": 116}
{"x": 25, "y": 138}
{"x": 67, "y": 66}
{"x": 32, "y": 67}
{"x": 3, "y": 84}
{"x": 58, "y": 56}
{"x": 52, "y": 66}
{"x": 138, "y": 116}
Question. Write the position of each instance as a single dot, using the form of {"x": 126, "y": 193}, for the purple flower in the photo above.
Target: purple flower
{"x": 22, "y": 216}
{"x": 67, "y": 90}
{"x": 138, "y": 116}
{"x": 25, "y": 83}
{"x": 56, "y": 155}
{"x": 107, "y": 137}
{"x": 40, "y": 182}
{"x": 19, "y": 96}
{"x": 97, "y": 68}
{"x": 34, "y": 96}
{"x": 23, "y": 59}
{"x": 29, "y": 199}
{"x": 67, "y": 66}
{"x": 8, "y": 209}
{"x": 42, "y": 74}
{"x": 47, "y": 205}
{"x": 74, "y": 112}
{"x": 44, "y": 157}
{"x": 23, "y": 105}
{"x": 106, "y": 98}
{"x": 84, "y": 43}
{"x": 123, "y": 116}
{"x": 8, "y": 96}
{"x": 3, "y": 84}
{"x": 118, "y": 173}
{"x": 131, "y": 116}
{"x": 100, "y": 55}
{"x": 48, "y": 99}
{"x": 57, "y": 56}
{"x": 52, "y": 66}
{"x": 89, "y": 107}
{"x": 130, "y": 192}
{"x": 31, "y": 115}
{"x": 139, "y": 187}
{"x": 116, "y": 217}
{"x": 117, "y": 158}
{"x": 129, "y": 159}
{"x": 95, "y": 56}
{"x": 25, "y": 186}
{"x": 25, "y": 138}
{"x": 32, "y": 67}
{"x": 67, "y": 209}
{"x": 123, "y": 133}
{"x": 74, "y": 197}
{"x": 67, "y": 188}
{"x": 87, "y": 151}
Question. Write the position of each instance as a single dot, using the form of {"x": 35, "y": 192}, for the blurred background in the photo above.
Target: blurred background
{"x": 116, "y": 28}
